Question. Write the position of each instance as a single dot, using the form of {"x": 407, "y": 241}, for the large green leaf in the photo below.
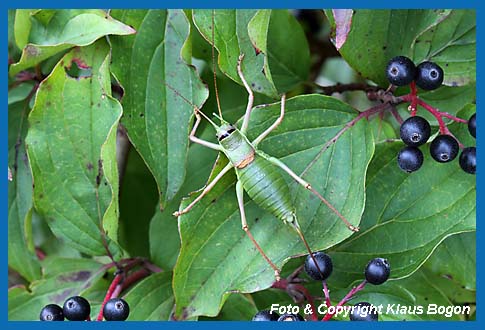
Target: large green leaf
{"x": 446, "y": 37}
{"x": 71, "y": 147}
{"x": 52, "y": 31}
{"x": 152, "y": 298}
{"x": 156, "y": 118}
{"x": 21, "y": 256}
{"x": 278, "y": 35}
{"x": 62, "y": 278}
{"x": 406, "y": 215}
{"x": 217, "y": 257}
{"x": 231, "y": 39}
{"x": 456, "y": 258}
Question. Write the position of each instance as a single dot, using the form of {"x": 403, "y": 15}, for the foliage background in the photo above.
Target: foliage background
{"x": 93, "y": 125}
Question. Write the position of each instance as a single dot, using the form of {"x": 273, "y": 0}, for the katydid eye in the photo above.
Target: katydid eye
{"x": 226, "y": 134}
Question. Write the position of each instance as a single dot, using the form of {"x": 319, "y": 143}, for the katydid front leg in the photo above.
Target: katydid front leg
{"x": 205, "y": 191}
{"x": 249, "y": 107}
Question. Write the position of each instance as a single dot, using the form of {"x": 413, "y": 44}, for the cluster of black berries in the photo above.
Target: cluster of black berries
{"x": 376, "y": 272}
{"x": 78, "y": 308}
{"x": 415, "y": 131}
{"x": 401, "y": 71}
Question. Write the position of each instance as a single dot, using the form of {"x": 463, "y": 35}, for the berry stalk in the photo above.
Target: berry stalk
{"x": 346, "y": 299}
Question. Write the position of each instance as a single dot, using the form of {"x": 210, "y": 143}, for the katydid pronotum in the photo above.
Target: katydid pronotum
{"x": 257, "y": 173}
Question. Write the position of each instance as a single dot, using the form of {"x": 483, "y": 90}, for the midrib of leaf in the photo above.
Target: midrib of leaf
{"x": 416, "y": 247}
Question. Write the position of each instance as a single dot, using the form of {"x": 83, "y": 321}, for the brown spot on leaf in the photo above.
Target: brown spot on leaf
{"x": 89, "y": 166}
{"x": 75, "y": 277}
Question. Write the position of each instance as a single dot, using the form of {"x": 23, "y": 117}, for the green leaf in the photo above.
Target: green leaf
{"x": 139, "y": 196}
{"x": 21, "y": 254}
{"x": 163, "y": 224}
{"x": 152, "y": 298}
{"x": 55, "y": 30}
{"x": 22, "y": 26}
{"x": 446, "y": 37}
{"x": 217, "y": 257}
{"x": 456, "y": 258}
{"x": 238, "y": 307}
{"x": 231, "y": 39}
{"x": 71, "y": 146}
{"x": 406, "y": 215}
{"x": 278, "y": 35}
{"x": 157, "y": 119}
{"x": 62, "y": 278}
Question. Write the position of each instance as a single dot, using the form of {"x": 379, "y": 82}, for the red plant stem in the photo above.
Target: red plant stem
{"x": 396, "y": 115}
{"x": 327, "y": 294}
{"x": 283, "y": 284}
{"x": 437, "y": 114}
{"x": 309, "y": 298}
{"x": 414, "y": 99}
{"x": 109, "y": 293}
{"x": 133, "y": 278}
{"x": 40, "y": 254}
{"x": 345, "y": 299}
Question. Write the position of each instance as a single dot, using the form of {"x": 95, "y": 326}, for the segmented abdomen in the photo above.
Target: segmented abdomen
{"x": 267, "y": 187}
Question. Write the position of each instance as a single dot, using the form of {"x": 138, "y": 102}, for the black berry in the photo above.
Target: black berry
{"x": 468, "y": 160}
{"x": 265, "y": 315}
{"x": 291, "y": 318}
{"x": 76, "y": 309}
{"x": 415, "y": 131}
{"x": 444, "y": 148}
{"x": 116, "y": 309}
{"x": 377, "y": 271}
{"x": 472, "y": 125}
{"x": 400, "y": 71}
{"x": 429, "y": 75}
{"x": 364, "y": 311}
{"x": 52, "y": 312}
{"x": 410, "y": 159}
{"x": 324, "y": 269}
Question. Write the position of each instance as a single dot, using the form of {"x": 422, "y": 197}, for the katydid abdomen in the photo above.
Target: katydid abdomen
{"x": 266, "y": 186}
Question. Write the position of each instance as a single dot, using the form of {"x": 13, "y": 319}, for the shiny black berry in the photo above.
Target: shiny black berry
{"x": 52, "y": 312}
{"x": 116, "y": 309}
{"x": 364, "y": 311}
{"x": 410, "y": 159}
{"x": 429, "y": 75}
{"x": 472, "y": 125}
{"x": 290, "y": 318}
{"x": 468, "y": 160}
{"x": 415, "y": 131}
{"x": 444, "y": 148}
{"x": 324, "y": 263}
{"x": 265, "y": 315}
{"x": 377, "y": 271}
{"x": 76, "y": 309}
{"x": 400, "y": 71}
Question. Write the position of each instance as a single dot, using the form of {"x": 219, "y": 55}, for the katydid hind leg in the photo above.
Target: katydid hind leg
{"x": 307, "y": 186}
{"x": 240, "y": 201}
{"x": 274, "y": 125}
{"x": 205, "y": 191}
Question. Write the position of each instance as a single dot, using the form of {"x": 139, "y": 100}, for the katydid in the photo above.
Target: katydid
{"x": 257, "y": 173}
